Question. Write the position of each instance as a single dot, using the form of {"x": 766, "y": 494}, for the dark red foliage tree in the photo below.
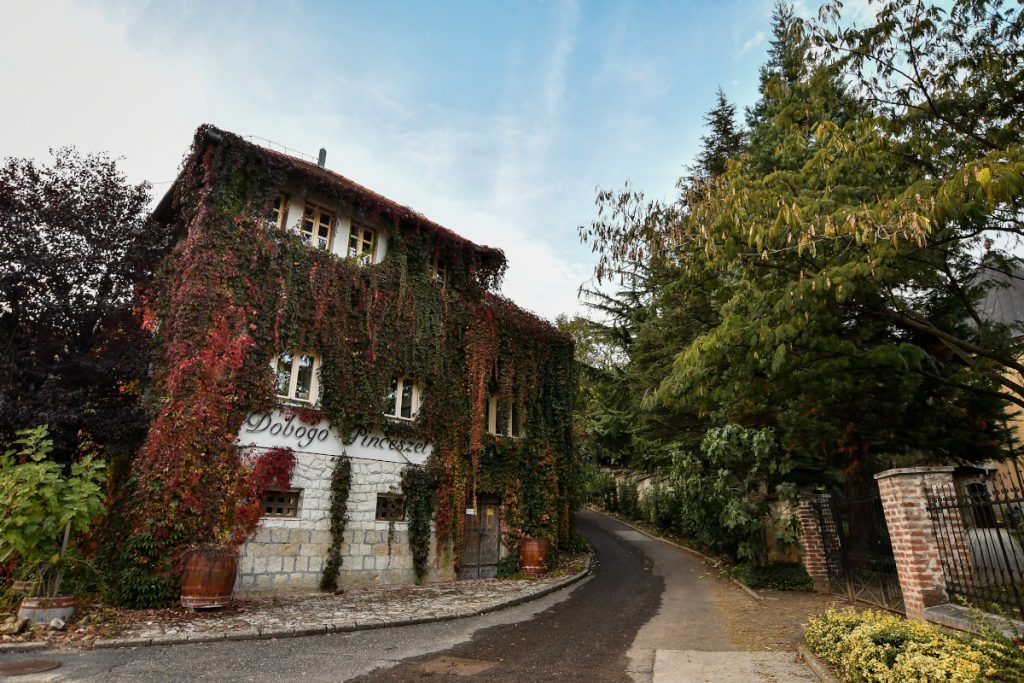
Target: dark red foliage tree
{"x": 75, "y": 245}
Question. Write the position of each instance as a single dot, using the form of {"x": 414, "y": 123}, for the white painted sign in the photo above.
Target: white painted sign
{"x": 285, "y": 430}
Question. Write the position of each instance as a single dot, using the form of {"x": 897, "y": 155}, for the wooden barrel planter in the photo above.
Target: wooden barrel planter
{"x": 209, "y": 577}
{"x": 533, "y": 556}
{"x": 45, "y": 610}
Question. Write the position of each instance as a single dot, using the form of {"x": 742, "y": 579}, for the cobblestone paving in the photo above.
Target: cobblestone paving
{"x": 277, "y": 615}
{"x": 356, "y": 607}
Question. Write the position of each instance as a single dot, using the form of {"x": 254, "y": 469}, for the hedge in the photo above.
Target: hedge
{"x": 877, "y": 646}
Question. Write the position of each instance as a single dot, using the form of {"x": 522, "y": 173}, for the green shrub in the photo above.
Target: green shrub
{"x": 508, "y": 567}
{"x": 877, "y": 646}
{"x": 783, "y": 576}
{"x": 628, "y": 499}
{"x": 576, "y": 543}
{"x": 43, "y": 505}
{"x": 661, "y": 507}
{"x": 599, "y": 487}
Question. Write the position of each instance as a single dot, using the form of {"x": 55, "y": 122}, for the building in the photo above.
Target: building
{"x": 305, "y": 312}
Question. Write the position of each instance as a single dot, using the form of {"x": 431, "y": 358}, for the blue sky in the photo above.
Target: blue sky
{"x": 498, "y": 120}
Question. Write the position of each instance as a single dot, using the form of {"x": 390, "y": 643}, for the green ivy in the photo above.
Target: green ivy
{"x": 41, "y": 506}
{"x": 234, "y": 294}
{"x": 341, "y": 483}
{"x": 419, "y": 487}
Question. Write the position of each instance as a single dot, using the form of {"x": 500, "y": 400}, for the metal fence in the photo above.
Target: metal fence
{"x": 979, "y": 526}
{"x": 858, "y": 551}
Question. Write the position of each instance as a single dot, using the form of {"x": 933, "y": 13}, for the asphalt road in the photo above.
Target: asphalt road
{"x": 598, "y": 630}
{"x": 584, "y": 638}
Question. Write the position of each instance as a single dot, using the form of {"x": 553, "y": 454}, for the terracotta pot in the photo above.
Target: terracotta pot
{"x": 45, "y": 610}
{"x": 533, "y": 556}
{"x": 209, "y": 577}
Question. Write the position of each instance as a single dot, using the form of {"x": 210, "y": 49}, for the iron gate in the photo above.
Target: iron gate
{"x": 978, "y": 529}
{"x": 858, "y": 551}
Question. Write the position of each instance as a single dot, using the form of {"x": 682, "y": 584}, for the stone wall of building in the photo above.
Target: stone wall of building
{"x": 288, "y": 554}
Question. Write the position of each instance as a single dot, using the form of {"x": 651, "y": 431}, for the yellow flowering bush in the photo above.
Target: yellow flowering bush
{"x": 875, "y": 646}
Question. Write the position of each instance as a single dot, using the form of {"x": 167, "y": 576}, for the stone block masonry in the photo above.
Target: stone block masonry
{"x": 287, "y": 554}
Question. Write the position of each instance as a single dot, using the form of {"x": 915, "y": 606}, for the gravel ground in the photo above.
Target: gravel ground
{"x": 774, "y": 623}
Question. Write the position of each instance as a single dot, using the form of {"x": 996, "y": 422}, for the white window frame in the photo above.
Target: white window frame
{"x": 364, "y": 253}
{"x": 492, "y": 419}
{"x": 319, "y": 214}
{"x": 439, "y": 271}
{"x": 314, "y": 383}
{"x": 277, "y": 216}
{"x": 396, "y": 407}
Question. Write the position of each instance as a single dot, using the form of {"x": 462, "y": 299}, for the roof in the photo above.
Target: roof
{"x": 1003, "y": 302}
{"x": 312, "y": 172}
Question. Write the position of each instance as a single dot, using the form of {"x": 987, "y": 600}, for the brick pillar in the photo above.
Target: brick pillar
{"x": 914, "y": 543}
{"x": 812, "y": 545}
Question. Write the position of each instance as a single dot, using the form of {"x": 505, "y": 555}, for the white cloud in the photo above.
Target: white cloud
{"x": 752, "y": 42}
{"x": 105, "y": 80}
{"x": 71, "y": 77}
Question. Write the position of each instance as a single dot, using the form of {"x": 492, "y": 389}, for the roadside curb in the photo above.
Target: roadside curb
{"x": 268, "y": 633}
{"x": 707, "y": 558}
{"x": 819, "y": 667}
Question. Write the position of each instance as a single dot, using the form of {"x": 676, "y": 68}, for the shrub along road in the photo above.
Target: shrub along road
{"x": 649, "y": 612}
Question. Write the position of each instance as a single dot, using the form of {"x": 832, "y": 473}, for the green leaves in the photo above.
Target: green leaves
{"x": 38, "y": 501}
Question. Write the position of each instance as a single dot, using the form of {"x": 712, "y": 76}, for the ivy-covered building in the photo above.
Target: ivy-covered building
{"x": 302, "y": 313}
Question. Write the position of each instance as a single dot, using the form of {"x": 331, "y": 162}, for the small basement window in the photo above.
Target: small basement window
{"x": 281, "y": 503}
{"x": 390, "y": 507}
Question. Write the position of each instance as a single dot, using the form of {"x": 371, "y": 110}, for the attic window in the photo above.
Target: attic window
{"x": 316, "y": 226}
{"x": 362, "y": 242}
{"x": 439, "y": 271}
{"x": 278, "y": 213}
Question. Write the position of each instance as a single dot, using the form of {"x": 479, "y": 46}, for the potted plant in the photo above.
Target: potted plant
{"x": 41, "y": 507}
{"x": 210, "y": 566}
{"x": 533, "y": 555}
{"x": 537, "y": 527}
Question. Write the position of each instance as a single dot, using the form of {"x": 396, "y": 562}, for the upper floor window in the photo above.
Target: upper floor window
{"x": 297, "y": 376}
{"x": 403, "y": 399}
{"x": 316, "y": 226}
{"x": 439, "y": 271}
{"x": 278, "y": 214}
{"x": 362, "y": 243}
{"x": 502, "y": 419}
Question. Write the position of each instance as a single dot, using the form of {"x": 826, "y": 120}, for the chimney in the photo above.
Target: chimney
{"x": 322, "y": 159}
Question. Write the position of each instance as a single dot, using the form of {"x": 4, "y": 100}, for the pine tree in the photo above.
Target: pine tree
{"x": 722, "y": 142}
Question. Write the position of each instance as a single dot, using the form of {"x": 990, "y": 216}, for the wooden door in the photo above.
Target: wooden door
{"x": 481, "y": 540}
